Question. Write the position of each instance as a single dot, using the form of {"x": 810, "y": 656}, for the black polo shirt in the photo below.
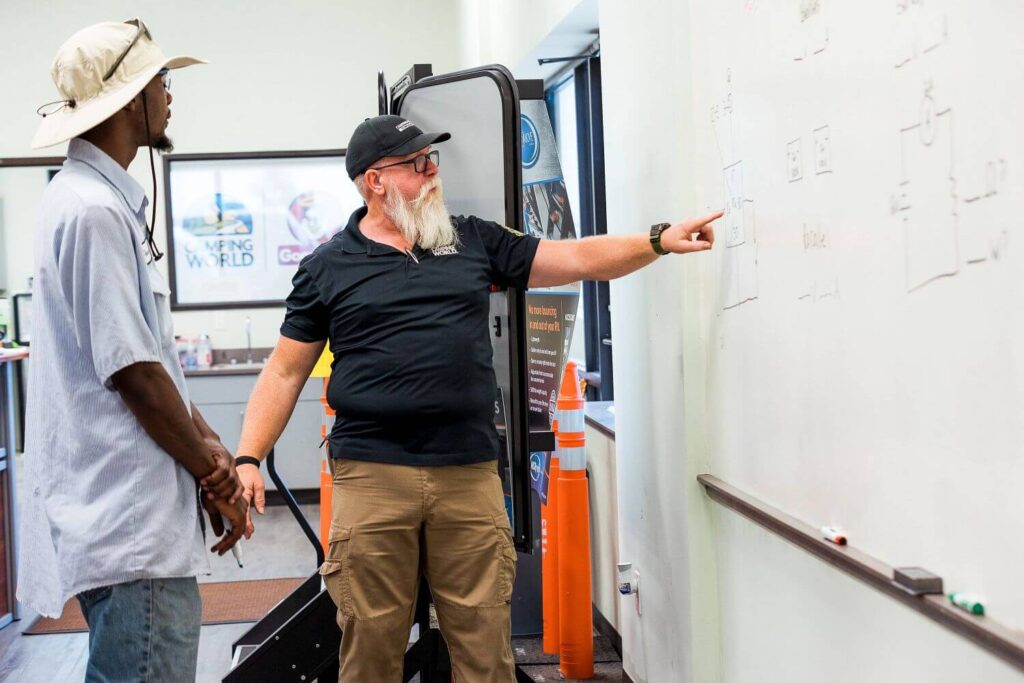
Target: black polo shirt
{"x": 412, "y": 380}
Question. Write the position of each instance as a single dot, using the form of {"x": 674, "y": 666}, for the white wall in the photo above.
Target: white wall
{"x": 663, "y": 527}
{"x": 508, "y": 30}
{"x": 281, "y": 77}
{"x": 20, "y": 189}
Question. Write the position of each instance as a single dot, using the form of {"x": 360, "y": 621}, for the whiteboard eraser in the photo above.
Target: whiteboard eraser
{"x": 917, "y": 580}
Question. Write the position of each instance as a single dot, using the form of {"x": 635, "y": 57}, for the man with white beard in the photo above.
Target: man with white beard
{"x": 402, "y": 296}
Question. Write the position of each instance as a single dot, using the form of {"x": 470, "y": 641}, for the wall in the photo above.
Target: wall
{"x": 293, "y": 77}
{"x": 663, "y": 520}
{"x": 866, "y": 402}
{"x": 20, "y": 189}
{"x": 509, "y": 30}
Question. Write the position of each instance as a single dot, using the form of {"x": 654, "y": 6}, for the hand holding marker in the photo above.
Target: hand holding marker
{"x": 236, "y": 549}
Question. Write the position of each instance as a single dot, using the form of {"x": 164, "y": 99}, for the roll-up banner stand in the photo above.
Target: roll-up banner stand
{"x": 551, "y": 311}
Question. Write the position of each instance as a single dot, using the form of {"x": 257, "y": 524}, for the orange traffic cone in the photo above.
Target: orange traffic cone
{"x": 549, "y": 559}
{"x": 575, "y": 615}
{"x": 326, "y": 479}
{"x": 326, "y": 489}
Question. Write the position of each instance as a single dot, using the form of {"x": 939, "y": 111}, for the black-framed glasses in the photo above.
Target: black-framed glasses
{"x": 140, "y": 30}
{"x": 419, "y": 163}
{"x": 165, "y": 78}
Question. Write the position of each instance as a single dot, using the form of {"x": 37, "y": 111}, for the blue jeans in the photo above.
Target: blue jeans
{"x": 144, "y": 631}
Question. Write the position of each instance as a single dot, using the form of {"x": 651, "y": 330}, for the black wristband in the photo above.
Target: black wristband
{"x": 247, "y": 460}
{"x": 655, "y": 237}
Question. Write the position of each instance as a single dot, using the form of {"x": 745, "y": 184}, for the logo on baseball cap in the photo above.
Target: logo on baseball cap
{"x": 385, "y": 136}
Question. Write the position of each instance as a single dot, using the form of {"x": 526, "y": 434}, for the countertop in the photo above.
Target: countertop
{"x": 8, "y": 355}
{"x": 227, "y": 369}
{"x": 601, "y": 415}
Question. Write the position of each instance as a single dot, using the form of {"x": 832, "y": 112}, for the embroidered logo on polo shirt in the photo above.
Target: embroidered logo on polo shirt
{"x": 445, "y": 251}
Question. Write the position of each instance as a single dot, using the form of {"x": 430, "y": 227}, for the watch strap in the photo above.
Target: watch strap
{"x": 656, "y": 231}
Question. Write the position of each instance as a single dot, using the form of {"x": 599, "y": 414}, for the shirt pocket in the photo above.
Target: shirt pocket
{"x": 162, "y": 304}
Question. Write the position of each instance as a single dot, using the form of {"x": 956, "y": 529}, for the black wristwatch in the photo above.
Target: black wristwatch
{"x": 247, "y": 460}
{"x": 656, "y": 231}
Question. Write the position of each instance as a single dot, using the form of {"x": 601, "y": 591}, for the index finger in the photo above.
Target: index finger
{"x": 713, "y": 216}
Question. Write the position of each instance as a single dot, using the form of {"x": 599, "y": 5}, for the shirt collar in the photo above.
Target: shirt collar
{"x": 354, "y": 242}
{"x": 91, "y": 155}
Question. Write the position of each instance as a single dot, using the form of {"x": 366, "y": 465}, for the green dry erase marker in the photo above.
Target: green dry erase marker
{"x": 968, "y": 603}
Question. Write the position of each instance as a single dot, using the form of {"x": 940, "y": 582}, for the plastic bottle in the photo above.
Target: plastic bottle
{"x": 191, "y": 358}
{"x": 204, "y": 353}
{"x": 181, "y": 346}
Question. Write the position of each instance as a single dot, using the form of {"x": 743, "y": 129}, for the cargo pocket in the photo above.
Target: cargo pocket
{"x": 335, "y": 570}
{"x": 506, "y": 558}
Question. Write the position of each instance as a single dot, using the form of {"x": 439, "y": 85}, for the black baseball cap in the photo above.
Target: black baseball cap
{"x": 385, "y": 136}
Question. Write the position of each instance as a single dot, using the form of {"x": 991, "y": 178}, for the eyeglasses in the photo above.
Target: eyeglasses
{"x": 140, "y": 30}
{"x": 165, "y": 77}
{"x": 419, "y": 163}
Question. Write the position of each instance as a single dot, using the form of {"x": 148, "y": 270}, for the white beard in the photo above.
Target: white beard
{"x": 423, "y": 221}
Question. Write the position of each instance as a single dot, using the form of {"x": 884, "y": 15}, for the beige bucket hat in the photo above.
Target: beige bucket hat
{"x": 97, "y": 72}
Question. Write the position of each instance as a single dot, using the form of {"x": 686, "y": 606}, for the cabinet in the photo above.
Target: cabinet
{"x": 222, "y": 400}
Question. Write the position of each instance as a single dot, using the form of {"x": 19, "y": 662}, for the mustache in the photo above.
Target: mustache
{"x": 422, "y": 195}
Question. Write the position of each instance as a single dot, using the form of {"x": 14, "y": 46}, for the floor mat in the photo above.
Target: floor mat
{"x": 227, "y": 602}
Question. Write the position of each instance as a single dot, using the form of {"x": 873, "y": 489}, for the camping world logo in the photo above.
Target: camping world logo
{"x": 531, "y": 141}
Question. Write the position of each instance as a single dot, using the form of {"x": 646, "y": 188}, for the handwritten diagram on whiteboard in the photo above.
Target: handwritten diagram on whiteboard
{"x": 817, "y": 278}
{"x": 739, "y": 270}
{"x": 927, "y": 199}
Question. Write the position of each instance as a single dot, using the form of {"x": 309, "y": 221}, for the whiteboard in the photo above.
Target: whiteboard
{"x": 863, "y": 324}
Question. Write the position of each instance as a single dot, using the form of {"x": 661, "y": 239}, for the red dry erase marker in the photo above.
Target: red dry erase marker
{"x": 831, "y": 533}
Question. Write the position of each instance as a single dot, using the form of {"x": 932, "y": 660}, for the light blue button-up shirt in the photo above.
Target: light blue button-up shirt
{"x": 103, "y": 503}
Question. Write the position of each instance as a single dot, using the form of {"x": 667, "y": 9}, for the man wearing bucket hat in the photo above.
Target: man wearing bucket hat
{"x": 402, "y": 295}
{"x": 114, "y": 448}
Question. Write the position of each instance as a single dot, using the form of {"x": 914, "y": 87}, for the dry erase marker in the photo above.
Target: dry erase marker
{"x": 968, "y": 603}
{"x": 831, "y": 533}
{"x": 236, "y": 549}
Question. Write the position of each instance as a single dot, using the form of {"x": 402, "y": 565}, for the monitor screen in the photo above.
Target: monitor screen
{"x": 240, "y": 224}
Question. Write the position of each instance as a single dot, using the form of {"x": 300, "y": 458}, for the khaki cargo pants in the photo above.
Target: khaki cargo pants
{"x": 389, "y": 523}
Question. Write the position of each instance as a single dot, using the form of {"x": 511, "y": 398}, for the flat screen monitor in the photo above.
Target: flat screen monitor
{"x": 240, "y": 223}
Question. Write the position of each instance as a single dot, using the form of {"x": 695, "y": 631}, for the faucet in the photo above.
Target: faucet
{"x": 248, "y": 339}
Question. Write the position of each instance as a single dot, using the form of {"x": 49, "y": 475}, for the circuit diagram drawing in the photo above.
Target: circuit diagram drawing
{"x": 926, "y": 201}
{"x": 946, "y": 201}
{"x": 983, "y": 186}
{"x": 921, "y": 29}
{"x": 819, "y": 279}
{"x": 739, "y": 266}
{"x": 810, "y": 36}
